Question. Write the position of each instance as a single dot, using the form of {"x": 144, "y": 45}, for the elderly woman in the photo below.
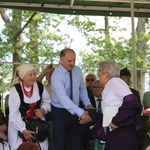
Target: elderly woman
{"x": 25, "y": 78}
{"x": 123, "y": 126}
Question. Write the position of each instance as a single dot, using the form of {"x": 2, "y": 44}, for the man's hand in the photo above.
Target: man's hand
{"x": 85, "y": 118}
{"x": 90, "y": 106}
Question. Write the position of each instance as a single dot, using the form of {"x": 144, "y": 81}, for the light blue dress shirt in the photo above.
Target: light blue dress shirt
{"x": 60, "y": 84}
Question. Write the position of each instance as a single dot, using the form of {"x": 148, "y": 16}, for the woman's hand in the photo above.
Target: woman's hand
{"x": 28, "y": 135}
{"x": 39, "y": 112}
{"x": 3, "y": 136}
{"x": 3, "y": 128}
{"x": 112, "y": 126}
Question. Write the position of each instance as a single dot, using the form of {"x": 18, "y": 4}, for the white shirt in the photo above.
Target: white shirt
{"x": 114, "y": 92}
{"x": 96, "y": 102}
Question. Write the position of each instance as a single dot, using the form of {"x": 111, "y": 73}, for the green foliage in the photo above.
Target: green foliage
{"x": 34, "y": 43}
{"x": 41, "y": 39}
{"x": 102, "y": 45}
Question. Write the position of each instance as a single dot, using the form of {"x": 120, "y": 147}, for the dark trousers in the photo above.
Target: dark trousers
{"x": 66, "y": 126}
{"x": 87, "y": 137}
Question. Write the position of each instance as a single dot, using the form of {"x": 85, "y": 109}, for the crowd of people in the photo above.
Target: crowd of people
{"x": 75, "y": 106}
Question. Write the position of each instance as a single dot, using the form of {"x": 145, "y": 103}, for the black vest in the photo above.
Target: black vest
{"x": 24, "y": 107}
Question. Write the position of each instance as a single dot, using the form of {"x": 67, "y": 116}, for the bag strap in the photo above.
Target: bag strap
{"x": 37, "y": 142}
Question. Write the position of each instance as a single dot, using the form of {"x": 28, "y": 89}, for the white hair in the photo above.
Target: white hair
{"x": 109, "y": 66}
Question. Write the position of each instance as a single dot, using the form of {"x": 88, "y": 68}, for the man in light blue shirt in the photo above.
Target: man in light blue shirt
{"x": 67, "y": 116}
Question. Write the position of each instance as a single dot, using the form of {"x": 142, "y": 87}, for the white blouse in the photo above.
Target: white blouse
{"x": 114, "y": 92}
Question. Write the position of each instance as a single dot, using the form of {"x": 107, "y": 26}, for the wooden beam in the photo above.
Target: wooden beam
{"x": 74, "y": 7}
{"x": 119, "y": 1}
{"x": 71, "y": 3}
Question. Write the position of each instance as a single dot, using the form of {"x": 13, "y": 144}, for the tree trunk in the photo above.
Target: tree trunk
{"x": 4, "y": 16}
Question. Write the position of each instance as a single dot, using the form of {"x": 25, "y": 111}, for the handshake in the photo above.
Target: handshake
{"x": 85, "y": 117}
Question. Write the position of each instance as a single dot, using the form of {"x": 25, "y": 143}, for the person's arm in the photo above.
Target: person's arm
{"x": 47, "y": 70}
{"x": 45, "y": 103}
{"x": 129, "y": 108}
{"x": 83, "y": 94}
{"x": 14, "y": 114}
{"x": 3, "y": 136}
{"x": 3, "y": 128}
{"x": 127, "y": 111}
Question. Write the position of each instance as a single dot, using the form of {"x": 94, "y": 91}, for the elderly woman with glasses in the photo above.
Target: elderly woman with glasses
{"x": 122, "y": 122}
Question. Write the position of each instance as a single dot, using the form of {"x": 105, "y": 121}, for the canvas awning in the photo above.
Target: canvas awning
{"x": 83, "y": 7}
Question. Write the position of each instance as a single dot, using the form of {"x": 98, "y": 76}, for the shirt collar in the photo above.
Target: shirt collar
{"x": 63, "y": 69}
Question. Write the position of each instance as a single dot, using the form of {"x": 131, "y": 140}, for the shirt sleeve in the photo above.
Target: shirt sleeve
{"x": 59, "y": 89}
{"x": 83, "y": 93}
{"x": 14, "y": 113}
{"x": 128, "y": 111}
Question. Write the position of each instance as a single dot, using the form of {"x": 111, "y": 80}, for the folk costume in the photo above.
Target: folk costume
{"x": 30, "y": 96}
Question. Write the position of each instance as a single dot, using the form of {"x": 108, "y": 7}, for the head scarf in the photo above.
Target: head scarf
{"x": 21, "y": 72}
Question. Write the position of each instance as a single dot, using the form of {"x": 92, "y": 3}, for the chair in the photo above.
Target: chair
{"x": 97, "y": 145}
{"x": 51, "y": 142}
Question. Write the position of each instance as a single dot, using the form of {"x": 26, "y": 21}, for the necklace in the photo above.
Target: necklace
{"x": 28, "y": 94}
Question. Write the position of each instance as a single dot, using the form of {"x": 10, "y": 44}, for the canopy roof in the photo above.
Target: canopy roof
{"x": 83, "y": 7}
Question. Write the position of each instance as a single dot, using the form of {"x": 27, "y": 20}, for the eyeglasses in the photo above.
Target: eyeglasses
{"x": 98, "y": 87}
{"x": 90, "y": 80}
{"x": 99, "y": 70}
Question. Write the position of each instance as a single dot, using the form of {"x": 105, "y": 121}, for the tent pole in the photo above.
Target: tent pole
{"x": 133, "y": 47}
